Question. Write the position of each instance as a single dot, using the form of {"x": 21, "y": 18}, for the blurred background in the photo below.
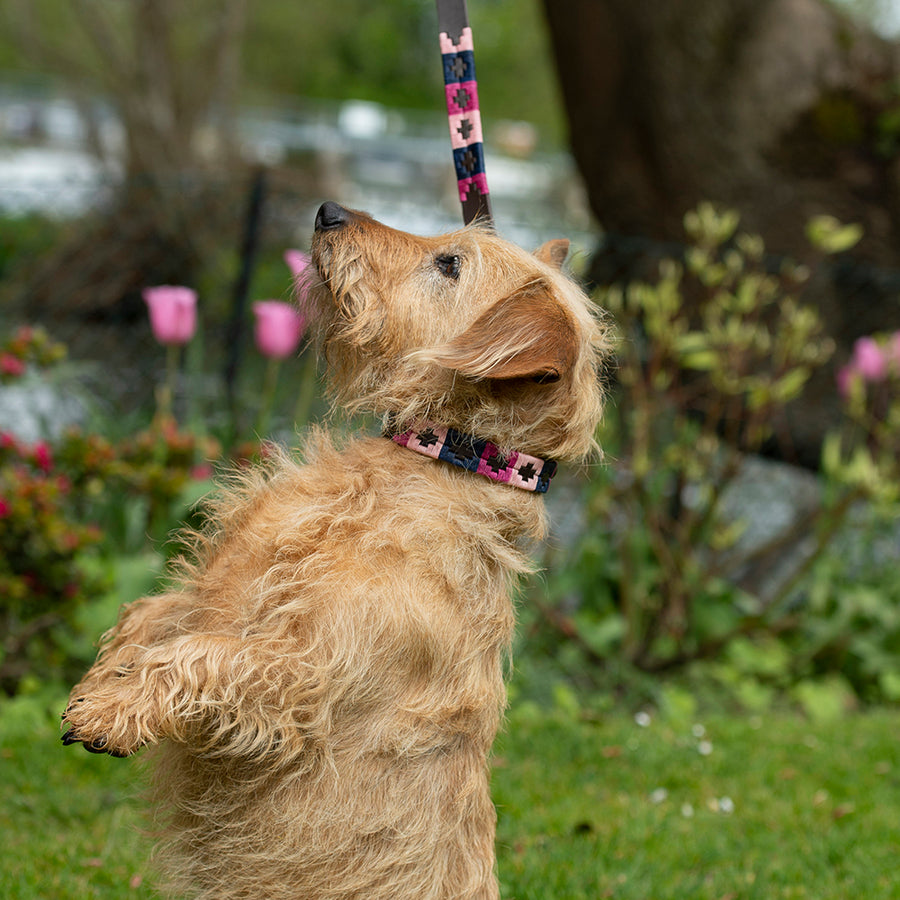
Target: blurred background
{"x": 145, "y": 143}
{"x": 728, "y": 172}
{"x": 148, "y": 143}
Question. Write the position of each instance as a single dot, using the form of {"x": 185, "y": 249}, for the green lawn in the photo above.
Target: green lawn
{"x": 765, "y": 807}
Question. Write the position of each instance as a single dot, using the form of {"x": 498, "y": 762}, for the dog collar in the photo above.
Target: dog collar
{"x": 475, "y": 455}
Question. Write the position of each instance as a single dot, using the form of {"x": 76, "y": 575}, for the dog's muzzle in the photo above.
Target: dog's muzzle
{"x": 332, "y": 216}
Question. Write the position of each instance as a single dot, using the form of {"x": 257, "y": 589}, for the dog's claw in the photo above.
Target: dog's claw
{"x": 98, "y": 745}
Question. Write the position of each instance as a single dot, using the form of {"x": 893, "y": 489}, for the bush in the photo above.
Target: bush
{"x": 69, "y": 504}
{"x": 709, "y": 358}
{"x": 43, "y": 579}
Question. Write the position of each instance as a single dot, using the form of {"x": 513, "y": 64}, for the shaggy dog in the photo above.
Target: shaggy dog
{"x": 324, "y": 680}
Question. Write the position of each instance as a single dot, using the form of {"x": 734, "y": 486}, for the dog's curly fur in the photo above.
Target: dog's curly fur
{"x": 324, "y": 680}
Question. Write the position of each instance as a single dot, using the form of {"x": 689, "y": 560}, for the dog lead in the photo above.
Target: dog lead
{"x": 461, "y": 89}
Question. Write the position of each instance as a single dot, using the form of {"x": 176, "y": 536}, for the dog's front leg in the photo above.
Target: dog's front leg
{"x": 221, "y": 694}
{"x": 136, "y": 695}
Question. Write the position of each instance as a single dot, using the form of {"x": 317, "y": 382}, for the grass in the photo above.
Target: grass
{"x": 765, "y": 807}
{"x": 736, "y": 808}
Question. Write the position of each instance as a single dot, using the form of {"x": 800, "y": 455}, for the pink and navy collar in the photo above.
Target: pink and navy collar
{"x": 475, "y": 455}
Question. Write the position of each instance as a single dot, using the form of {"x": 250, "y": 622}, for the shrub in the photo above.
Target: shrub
{"x": 27, "y": 348}
{"x": 42, "y": 548}
{"x": 709, "y": 358}
{"x": 67, "y": 506}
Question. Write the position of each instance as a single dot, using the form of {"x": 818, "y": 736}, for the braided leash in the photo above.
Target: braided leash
{"x": 466, "y": 139}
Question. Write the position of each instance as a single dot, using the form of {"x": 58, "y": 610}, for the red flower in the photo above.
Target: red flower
{"x": 11, "y": 365}
{"x": 42, "y": 457}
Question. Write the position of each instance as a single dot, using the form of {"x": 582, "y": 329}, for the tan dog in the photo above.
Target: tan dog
{"x": 326, "y": 679}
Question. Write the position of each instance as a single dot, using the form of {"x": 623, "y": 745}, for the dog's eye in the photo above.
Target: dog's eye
{"x": 448, "y": 265}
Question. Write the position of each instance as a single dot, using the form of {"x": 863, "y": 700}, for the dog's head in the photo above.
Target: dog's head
{"x": 465, "y": 330}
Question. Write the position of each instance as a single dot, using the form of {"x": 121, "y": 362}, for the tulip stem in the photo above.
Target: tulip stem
{"x": 165, "y": 392}
{"x": 270, "y": 385}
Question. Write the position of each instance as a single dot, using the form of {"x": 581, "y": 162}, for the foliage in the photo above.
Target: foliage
{"x": 24, "y": 239}
{"x": 42, "y": 576}
{"x": 709, "y": 359}
{"x": 658, "y": 806}
{"x": 345, "y": 49}
{"x": 80, "y": 499}
{"x": 62, "y": 511}
{"x": 28, "y": 348}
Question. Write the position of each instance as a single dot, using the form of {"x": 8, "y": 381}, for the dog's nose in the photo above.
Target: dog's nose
{"x": 331, "y": 216}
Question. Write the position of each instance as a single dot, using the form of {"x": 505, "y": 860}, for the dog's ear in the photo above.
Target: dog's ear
{"x": 554, "y": 252}
{"x": 525, "y": 335}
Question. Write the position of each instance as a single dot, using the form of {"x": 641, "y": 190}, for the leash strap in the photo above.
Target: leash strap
{"x": 466, "y": 139}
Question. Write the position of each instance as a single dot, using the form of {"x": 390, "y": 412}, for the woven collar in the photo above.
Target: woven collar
{"x": 475, "y": 455}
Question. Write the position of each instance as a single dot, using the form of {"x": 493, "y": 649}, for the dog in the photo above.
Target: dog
{"x": 323, "y": 680}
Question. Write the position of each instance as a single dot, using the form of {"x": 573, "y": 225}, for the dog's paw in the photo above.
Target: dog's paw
{"x": 95, "y": 745}
{"x": 107, "y": 724}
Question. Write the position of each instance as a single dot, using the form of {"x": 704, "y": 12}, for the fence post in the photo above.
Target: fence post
{"x": 234, "y": 336}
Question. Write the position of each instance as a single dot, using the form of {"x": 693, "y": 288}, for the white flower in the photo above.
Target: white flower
{"x": 660, "y": 795}
{"x": 642, "y": 719}
{"x": 704, "y": 748}
{"x": 687, "y": 810}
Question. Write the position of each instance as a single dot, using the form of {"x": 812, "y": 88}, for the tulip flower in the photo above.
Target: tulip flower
{"x": 297, "y": 261}
{"x": 845, "y": 379}
{"x": 279, "y": 330}
{"x": 870, "y": 359}
{"x": 173, "y": 318}
{"x": 173, "y": 313}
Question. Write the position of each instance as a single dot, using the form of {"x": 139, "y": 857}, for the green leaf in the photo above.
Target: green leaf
{"x": 701, "y": 361}
{"x": 790, "y": 385}
{"x": 830, "y": 236}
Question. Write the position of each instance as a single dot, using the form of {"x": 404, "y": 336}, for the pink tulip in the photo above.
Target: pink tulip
{"x": 297, "y": 261}
{"x": 279, "y": 328}
{"x": 869, "y": 359}
{"x": 845, "y": 376}
{"x": 173, "y": 313}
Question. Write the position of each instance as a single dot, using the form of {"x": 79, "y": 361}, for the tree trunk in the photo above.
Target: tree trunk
{"x": 781, "y": 109}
